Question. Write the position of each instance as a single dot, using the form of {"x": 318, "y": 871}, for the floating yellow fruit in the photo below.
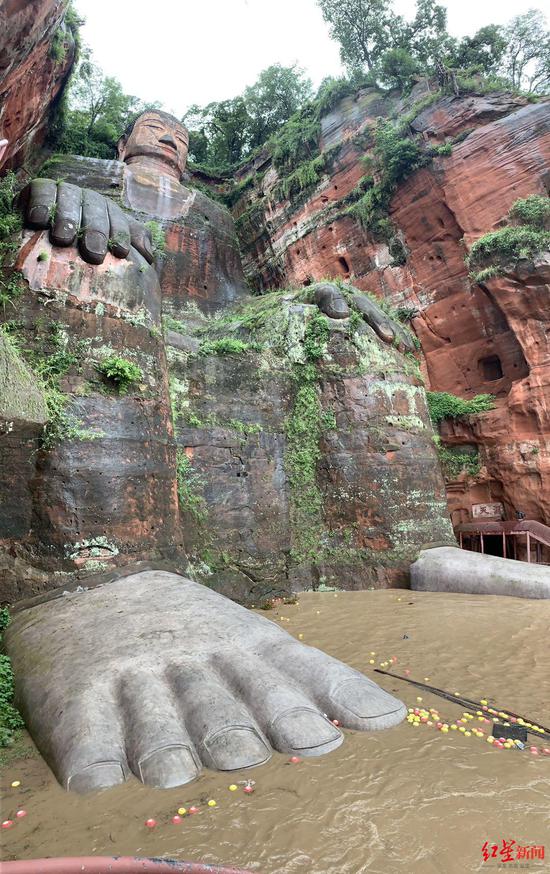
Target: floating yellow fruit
{"x": 490, "y": 739}
{"x": 211, "y": 803}
{"x": 182, "y": 811}
{"x": 233, "y": 788}
{"x": 418, "y": 698}
{"x": 453, "y": 727}
{"x": 371, "y": 661}
{"x": 467, "y": 734}
{"x": 15, "y": 784}
{"x": 461, "y": 728}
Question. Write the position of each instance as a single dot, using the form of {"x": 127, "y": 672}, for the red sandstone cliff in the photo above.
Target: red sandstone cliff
{"x": 475, "y": 338}
{"x": 31, "y": 77}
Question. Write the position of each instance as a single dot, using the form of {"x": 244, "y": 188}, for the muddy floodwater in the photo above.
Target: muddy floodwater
{"x": 411, "y": 799}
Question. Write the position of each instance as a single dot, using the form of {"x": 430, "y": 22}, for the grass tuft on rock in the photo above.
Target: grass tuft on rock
{"x": 444, "y": 405}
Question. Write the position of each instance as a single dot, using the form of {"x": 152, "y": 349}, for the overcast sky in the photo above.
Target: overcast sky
{"x": 183, "y": 51}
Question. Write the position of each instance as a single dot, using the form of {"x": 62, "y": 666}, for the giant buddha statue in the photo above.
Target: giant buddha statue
{"x": 123, "y": 663}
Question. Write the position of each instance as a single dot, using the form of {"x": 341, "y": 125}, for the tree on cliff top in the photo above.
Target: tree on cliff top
{"x": 483, "y": 50}
{"x": 277, "y": 94}
{"x": 373, "y": 37}
{"x": 526, "y": 62}
{"x": 224, "y": 132}
{"x": 367, "y": 29}
{"x": 95, "y": 114}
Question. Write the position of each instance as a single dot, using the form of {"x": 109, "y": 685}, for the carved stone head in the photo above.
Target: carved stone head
{"x": 158, "y": 136}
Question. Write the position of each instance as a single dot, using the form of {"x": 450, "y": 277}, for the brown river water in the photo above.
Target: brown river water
{"x": 411, "y": 799}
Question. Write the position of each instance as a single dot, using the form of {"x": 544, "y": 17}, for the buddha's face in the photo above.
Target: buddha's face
{"x": 155, "y": 135}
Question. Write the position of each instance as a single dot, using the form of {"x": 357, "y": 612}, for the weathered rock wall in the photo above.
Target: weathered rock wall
{"x": 31, "y": 78}
{"x": 103, "y": 490}
{"x": 475, "y": 338}
{"x": 253, "y": 521}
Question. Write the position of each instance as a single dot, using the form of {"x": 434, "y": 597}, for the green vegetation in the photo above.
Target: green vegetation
{"x": 454, "y": 461}
{"x": 304, "y": 176}
{"x": 158, "y": 237}
{"x": 304, "y": 428}
{"x": 394, "y": 158}
{"x": 67, "y": 34}
{"x": 245, "y": 429}
{"x": 94, "y": 111}
{"x": 119, "y": 371}
{"x": 188, "y": 484}
{"x": 10, "y": 720}
{"x": 333, "y": 90}
{"x": 444, "y": 149}
{"x": 443, "y": 405}
{"x": 485, "y": 274}
{"x": 316, "y": 337}
{"x": 490, "y": 253}
{"x": 373, "y": 37}
{"x": 227, "y": 346}
{"x": 533, "y": 211}
{"x": 171, "y": 324}
{"x": 10, "y": 227}
{"x": 224, "y": 133}
{"x": 253, "y": 314}
{"x": 507, "y": 245}
{"x": 394, "y": 51}
{"x": 50, "y": 360}
{"x": 298, "y": 141}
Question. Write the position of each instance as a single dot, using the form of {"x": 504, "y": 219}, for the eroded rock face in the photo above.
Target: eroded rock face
{"x": 103, "y": 490}
{"x": 475, "y": 338}
{"x": 254, "y": 422}
{"x": 23, "y": 413}
{"x": 30, "y": 76}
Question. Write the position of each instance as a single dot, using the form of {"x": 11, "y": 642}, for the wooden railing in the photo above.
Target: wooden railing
{"x": 528, "y": 528}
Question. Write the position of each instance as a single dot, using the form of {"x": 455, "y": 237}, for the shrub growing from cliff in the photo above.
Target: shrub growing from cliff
{"x": 189, "y": 482}
{"x": 443, "y": 405}
{"x": 533, "y": 211}
{"x": 395, "y": 157}
{"x": 298, "y": 139}
{"x": 10, "y": 226}
{"x": 506, "y": 245}
{"x": 304, "y": 429}
{"x": 120, "y": 372}
{"x": 456, "y": 461}
{"x": 10, "y": 720}
{"x": 158, "y": 237}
